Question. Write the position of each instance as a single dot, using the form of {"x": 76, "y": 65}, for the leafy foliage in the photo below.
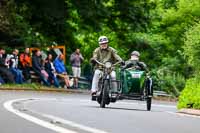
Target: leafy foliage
{"x": 164, "y": 31}
{"x": 192, "y": 47}
{"x": 190, "y": 96}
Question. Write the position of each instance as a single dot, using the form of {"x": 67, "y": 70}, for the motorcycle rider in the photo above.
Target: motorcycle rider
{"x": 103, "y": 54}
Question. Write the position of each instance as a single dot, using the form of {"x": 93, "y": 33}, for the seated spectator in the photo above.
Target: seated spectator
{"x": 38, "y": 67}
{"x": 7, "y": 76}
{"x": 61, "y": 70}
{"x": 25, "y": 62}
{"x": 50, "y": 69}
{"x": 13, "y": 63}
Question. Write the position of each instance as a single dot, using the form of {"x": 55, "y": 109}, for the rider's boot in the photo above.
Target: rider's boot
{"x": 94, "y": 96}
{"x": 114, "y": 95}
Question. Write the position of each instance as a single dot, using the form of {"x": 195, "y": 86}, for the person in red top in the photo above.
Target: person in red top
{"x": 25, "y": 64}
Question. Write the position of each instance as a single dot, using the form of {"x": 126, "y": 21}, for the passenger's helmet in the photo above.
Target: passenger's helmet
{"x": 103, "y": 39}
{"x": 136, "y": 53}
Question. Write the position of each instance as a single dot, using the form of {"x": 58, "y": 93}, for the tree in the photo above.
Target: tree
{"x": 192, "y": 47}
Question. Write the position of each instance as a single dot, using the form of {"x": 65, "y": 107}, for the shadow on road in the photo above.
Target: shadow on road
{"x": 125, "y": 109}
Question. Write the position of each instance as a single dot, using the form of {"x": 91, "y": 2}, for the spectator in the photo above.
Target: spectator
{"x": 25, "y": 64}
{"x": 61, "y": 70}
{"x": 50, "y": 69}
{"x": 4, "y": 71}
{"x": 13, "y": 63}
{"x": 76, "y": 59}
{"x": 38, "y": 68}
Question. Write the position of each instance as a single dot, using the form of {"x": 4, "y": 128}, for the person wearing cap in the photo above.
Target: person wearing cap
{"x": 103, "y": 54}
{"x": 134, "y": 61}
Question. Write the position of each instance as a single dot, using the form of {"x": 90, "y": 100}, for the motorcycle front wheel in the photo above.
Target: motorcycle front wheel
{"x": 105, "y": 94}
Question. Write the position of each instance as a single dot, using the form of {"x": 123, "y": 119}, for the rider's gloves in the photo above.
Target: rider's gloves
{"x": 93, "y": 61}
{"x": 122, "y": 63}
{"x": 137, "y": 67}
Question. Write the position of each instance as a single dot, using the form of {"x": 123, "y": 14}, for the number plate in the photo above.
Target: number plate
{"x": 136, "y": 75}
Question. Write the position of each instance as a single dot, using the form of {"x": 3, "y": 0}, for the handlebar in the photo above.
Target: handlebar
{"x": 99, "y": 62}
{"x": 117, "y": 63}
{"x": 104, "y": 64}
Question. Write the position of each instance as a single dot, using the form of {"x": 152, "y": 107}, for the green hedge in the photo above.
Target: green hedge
{"x": 190, "y": 96}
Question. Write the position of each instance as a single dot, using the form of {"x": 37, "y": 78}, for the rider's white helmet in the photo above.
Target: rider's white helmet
{"x": 103, "y": 39}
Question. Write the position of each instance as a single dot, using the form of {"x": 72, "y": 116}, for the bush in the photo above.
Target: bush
{"x": 172, "y": 84}
{"x": 192, "y": 46}
{"x": 190, "y": 96}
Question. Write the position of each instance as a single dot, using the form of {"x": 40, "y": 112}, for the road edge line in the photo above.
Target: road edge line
{"x": 73, "y": 124}
{"x": 8, "y": 106}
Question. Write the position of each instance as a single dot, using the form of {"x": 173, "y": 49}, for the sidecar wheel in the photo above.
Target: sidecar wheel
{"x": 149, "y": 99}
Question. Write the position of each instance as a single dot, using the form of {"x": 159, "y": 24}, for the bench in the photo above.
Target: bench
{"x": 83, "y": 82}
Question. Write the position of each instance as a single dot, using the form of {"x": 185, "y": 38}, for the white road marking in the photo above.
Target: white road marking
{"x": 73, "y": 124}
{"x": 9, "y": 107}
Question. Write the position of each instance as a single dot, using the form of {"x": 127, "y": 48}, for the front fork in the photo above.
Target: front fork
{"x": 106, "y": 78}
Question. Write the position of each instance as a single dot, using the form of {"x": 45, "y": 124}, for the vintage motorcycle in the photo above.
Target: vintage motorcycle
{"x": 132, "y": 84}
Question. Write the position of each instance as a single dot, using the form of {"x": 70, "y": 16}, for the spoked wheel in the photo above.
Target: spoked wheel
{"x": 149, "y": 99}
{"x": 105, "y": 94}
{"x": 149, "y": 93}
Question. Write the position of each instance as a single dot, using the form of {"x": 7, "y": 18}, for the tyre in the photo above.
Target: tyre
{"x": 105, "y": 95}
{"x": 149, "y": 99}
{"x": 149, "y": 87}
{"x": 100, "y": 88}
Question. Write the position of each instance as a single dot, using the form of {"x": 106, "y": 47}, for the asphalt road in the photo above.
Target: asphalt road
{"x": 42, "y": 112}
